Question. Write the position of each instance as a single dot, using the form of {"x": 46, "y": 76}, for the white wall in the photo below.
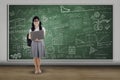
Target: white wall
{"x": 116, "y": 31}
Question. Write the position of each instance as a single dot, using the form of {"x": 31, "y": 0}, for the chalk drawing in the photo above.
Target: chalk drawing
{"x": 96, "y": 14}
{"x": 107, "y": 26}
{"x": 17, "y": 22}
{"x": 98, "y": 20}
{"x": 91, "y": 37}
{"x": 104, "y": 44}
{"x": 53, "y": 17}
{"x": 79, "y": 41}
{"x": 92, "y": 50}
{"x": 64, "y": 10}
{"x": 71, "y": 50}
{"x": 101, "y": 39}
{"x": 16, "y": 56}
{"x": 25, "y": 46}
{"x": 30, "y": 19}
{"x": 44, "y": 18}
{"x": 19, "y": 11}
{"x": 17, "y": 31}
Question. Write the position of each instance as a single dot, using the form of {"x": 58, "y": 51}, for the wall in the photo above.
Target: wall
{"x": 116, "y": 46}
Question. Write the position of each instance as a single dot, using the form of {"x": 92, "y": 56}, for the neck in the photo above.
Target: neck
{"x": 36, "y": 26}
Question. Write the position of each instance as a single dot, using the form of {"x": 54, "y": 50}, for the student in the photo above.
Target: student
{"x": 37, "y": 46}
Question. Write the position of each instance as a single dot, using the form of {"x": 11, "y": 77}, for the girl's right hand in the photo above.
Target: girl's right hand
{"x": 37, "y": 39}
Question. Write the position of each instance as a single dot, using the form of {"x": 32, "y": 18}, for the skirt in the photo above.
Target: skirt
{"x": 38, "y": 49}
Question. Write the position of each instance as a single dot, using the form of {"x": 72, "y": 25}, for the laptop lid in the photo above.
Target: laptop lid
{"x": 37, "y": 35}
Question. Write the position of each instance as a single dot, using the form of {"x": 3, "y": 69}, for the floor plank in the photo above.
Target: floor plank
{"x": 60, "y": 73}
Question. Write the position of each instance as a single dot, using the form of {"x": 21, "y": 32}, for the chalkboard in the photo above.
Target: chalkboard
{"x": 72, "y": 31}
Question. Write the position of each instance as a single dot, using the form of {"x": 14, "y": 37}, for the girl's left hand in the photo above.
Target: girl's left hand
{"x": 37, "y": 39}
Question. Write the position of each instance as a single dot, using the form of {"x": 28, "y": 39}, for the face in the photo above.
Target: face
{"x": 36, "y": 22}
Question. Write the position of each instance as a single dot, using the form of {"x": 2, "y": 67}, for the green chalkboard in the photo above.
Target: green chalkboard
{"x": 72, "y": 31}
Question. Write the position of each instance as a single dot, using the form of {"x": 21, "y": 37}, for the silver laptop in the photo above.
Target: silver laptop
{"x": 37, "y": 35}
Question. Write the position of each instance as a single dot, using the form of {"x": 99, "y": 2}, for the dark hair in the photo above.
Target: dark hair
{"x": 33, "y": 27}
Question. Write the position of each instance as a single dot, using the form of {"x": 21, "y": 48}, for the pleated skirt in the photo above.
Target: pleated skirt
{"x": 38, "y": 49}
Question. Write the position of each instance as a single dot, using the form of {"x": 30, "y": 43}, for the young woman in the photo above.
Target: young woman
{"x": 37, "y": 46}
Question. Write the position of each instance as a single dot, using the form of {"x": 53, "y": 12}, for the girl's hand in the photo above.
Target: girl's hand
{"x": 37, "y": 39}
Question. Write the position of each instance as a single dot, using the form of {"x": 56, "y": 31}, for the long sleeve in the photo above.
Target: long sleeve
{"x": 44, "y": 31}
{"x": 30, "y": 34}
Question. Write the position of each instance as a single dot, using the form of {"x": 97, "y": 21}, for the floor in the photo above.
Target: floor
{"x": 60, "y": 73}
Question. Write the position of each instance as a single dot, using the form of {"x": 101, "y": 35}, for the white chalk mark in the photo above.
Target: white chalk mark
{"x": 17, "y": 22}
{"x": 99, "y": 20}
{"x": 81, "y": 9}
{"x": 45, "y": 19}
{"x": 64, "y": 10}
{"x": 71, "y": 50}
{"x": 92, "y": 50}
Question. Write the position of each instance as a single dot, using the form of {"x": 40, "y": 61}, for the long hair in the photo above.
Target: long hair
{"x": 33, "y": 26}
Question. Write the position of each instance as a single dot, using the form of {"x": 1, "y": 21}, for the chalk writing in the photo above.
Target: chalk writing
{"x": 71, "y": 50}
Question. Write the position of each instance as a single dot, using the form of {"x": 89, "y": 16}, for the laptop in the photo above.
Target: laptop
{"x": 37, "y": 35}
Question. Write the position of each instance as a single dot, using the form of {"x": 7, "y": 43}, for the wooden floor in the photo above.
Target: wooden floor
{"x": 60, "y": 73}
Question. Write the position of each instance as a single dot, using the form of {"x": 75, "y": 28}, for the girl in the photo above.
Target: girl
{"x": 37, "y": 46}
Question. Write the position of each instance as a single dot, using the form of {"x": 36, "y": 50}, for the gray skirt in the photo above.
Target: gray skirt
{"x": 38, "y": 49}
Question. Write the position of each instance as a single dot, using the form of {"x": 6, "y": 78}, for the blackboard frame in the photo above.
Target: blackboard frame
{"x": 58, "y": 60}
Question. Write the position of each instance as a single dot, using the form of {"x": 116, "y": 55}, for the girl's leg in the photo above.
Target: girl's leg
{"x": 38, "y": 65}
{"x": 35, "y": 64}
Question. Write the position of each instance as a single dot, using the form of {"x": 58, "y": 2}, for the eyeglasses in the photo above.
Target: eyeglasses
{"x": 36, "y": 20}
